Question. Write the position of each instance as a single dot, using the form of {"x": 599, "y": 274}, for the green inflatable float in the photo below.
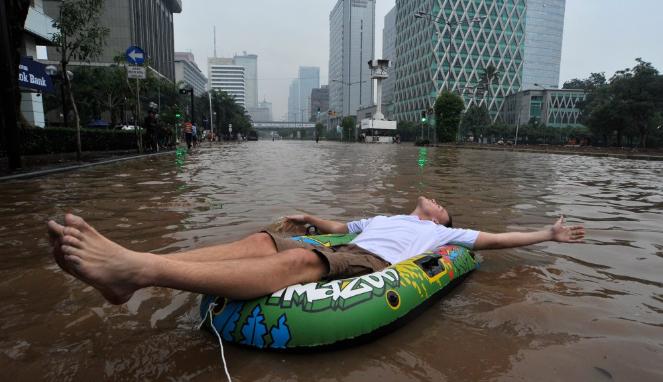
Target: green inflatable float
{"x": 339, "y": 312}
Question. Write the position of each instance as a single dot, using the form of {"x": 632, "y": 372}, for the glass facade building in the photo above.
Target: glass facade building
{"x": 543, "y": 43}
{"x": 454, "y": 41}
{"x": 145, "y": 23}
{"x": 351, "y": 46}
{"x": 551, "y": 107}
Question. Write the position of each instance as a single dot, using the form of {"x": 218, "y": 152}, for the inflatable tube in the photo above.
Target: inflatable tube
{"x": 339, "y": 312}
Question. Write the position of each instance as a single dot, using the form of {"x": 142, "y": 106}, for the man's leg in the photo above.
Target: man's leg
{"x": 255, "y": 245}
{"x": 118, "y": 272}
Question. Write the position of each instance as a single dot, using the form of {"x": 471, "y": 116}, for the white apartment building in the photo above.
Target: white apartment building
{"x": 224, "y": 75}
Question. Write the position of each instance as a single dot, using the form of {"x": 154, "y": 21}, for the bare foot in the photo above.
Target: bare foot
{"x": 92, "y": 258}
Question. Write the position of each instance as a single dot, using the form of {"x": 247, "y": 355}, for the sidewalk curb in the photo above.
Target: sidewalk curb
{"x": 562, "y": 152}
{"x": 36, "y": 174}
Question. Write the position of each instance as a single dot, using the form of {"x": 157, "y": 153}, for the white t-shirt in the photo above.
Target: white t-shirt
{"x": 397, "y": 238}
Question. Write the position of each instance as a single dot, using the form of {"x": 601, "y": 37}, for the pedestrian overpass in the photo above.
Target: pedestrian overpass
{"x": 292, "y": 130}
{"x": 282, "y": 125}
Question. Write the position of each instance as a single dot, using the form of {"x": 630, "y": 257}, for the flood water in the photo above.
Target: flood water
{"x": 584, "y": 312}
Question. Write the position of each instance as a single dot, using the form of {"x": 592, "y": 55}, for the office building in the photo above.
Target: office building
{"x": 187, "y": 71}
{"x": 262, "y": 113}
{"x": 319, "y": 102}
{"x": 351, "y": 46}
{"x": 309, "y": 79}
{"x": 449, "y": 45}
{"x": 250, "y": 64}
{"x": 294, "y": 109}
{"x": 550, "y": 107}
{"x": 389, "y": 53}
{"x": 544, "y": 31}
{"x": 223, "y": 74}
{"x": 145, "y": 23}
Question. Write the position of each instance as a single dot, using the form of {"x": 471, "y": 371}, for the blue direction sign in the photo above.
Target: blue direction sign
{"x": 135, "y": 55}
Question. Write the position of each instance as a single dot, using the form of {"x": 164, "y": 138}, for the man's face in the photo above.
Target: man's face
{"x": 438, "y": 213}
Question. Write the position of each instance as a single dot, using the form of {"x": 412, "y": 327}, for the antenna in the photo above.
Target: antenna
{"x": 215, "y": 41}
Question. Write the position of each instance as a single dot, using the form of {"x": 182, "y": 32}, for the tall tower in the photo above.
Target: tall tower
{"x": 449, "y": 44}
{"x": 250, "y": 64}
{"x": 309, "y": 79}
{"x": 351, "y": 46}
{"x": 543, "y": 43}
{"x": 389, "y": 53}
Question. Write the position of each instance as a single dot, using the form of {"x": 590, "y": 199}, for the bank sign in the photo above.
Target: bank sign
{"x": 32, "y": 75}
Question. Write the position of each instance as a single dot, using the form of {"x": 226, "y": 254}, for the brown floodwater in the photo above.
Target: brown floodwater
{"x": 585, "y": 312}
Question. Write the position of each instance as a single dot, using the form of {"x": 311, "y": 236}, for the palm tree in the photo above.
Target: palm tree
{"x": 486, "y": 80}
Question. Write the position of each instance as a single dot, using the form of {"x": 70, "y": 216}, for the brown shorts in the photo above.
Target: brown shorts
{"x": 343, "y": 261}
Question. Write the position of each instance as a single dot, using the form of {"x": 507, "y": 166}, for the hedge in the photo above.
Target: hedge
{"x": 63, "y": 140}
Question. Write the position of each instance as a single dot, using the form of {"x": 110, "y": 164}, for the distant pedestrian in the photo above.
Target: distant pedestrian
{"x": 194, "y": 135}
{"x": 188, "y": 134}
{"x": 152, "y": 129}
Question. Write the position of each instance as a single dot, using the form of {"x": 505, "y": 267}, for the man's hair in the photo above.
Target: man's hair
{"x": 450, "y": 223}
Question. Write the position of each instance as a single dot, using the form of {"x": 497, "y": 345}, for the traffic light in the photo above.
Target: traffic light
{"x": 185, "y": 91}
{"x": 178, "y": 115}
{"x": 423, "y": 117}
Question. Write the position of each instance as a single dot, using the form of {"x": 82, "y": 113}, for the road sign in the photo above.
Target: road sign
{"x": 137, "y": 72}
{"x": 135, "y": 55}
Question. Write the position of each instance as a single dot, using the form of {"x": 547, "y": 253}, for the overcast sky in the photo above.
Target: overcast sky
{"x": 599, "y": 36}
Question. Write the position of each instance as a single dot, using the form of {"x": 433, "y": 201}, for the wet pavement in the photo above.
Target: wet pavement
{"x": 584, "y": 312}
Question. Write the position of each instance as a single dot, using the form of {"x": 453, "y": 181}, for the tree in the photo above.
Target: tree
{"x": 594, "y": 81}
{"x": 475, "y": 120}
{"x": 80, "y": 36}
{"x": 229, "y": 112}
{"x": 448, "y": 110}
{"x": 348, "y": 126}
{"x": 408, "y": 131}
{"x": 12, "y": 19}
{"x": 639, "y": 93}
{"x": 486, "y": 80}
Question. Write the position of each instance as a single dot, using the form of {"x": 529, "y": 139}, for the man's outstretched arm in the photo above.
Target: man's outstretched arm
{"x": 558, "y": 232}
{"x": 324, "y": 226}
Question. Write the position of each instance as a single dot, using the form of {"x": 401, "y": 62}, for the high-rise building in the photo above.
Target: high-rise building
{"x": 544, "y": 31}
{"x": 187, "y": 71}
{"x": 448, "y": 45}
{"x": 309, "y": 79}
{"x": 351, "y": 46}
{"x": 389, "y": 53}
{"x": 146, "y": 23}
{"x": 250, "y": 64}
{"x": 550, "y": 107}
{"x": 224, "y": 75}
{"x": 294, "y": 112}
{"x": 262, "y": 113}
{"x": 299, "y": 98}
{"x": 319, "y": 101}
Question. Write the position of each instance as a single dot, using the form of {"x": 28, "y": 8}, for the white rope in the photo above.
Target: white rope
{"x": 211, "y": 324}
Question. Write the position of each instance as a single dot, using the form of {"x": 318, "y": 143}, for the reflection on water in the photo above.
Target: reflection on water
{"x": 547, "y": 312}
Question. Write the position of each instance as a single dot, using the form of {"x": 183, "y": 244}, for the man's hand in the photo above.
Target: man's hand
{"x": 565, "y": 234}
{"x": 558, "y": 232}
